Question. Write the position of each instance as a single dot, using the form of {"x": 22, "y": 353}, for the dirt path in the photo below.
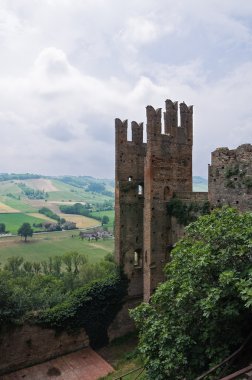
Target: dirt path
{"x": 101, "y": 247}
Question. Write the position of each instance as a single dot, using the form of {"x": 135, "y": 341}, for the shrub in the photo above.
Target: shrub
{"x": 203, "y": 311}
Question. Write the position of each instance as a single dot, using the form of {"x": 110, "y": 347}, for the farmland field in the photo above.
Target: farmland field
{"x": 14, "y": 221}
{"x": 5, "y": 209}
{"x": 110, "y": 214}
{"x": 22, "y": 205}
{"x": 42, "y": 246}
{"x": 81, "y": 221}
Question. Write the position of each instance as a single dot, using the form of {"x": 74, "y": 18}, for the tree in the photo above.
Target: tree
{"x": 105, "y": 219}
{"x": 25, "y": 230}
{"x": 203, "y": 311}
{"x": 2, "y": 228}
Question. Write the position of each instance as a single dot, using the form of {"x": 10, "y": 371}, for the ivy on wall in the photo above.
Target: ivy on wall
{"x": 92, "y": 307}
{"x": 186, "y": 213}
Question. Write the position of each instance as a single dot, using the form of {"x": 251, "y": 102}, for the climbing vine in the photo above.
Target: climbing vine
{"x": 186, "y": 213}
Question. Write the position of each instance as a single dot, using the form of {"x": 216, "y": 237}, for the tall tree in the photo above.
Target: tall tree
{"x": 25, "y": 230}
{"x": 203, "y": 311}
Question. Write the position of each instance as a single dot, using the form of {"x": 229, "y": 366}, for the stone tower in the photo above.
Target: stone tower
{"x": 230, "y": 177}
{"x": 147, "y": 176}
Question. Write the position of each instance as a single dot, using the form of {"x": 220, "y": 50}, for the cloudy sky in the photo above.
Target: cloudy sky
{"x": 69, "y": 67}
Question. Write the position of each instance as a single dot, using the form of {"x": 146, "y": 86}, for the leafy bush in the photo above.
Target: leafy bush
{"x": 203, "y": 312}
{"x": 65, "y": 292}
{"x": 49, "y": 213}
{"x": 93, "y": 307}
{"x": 77, "y": 208}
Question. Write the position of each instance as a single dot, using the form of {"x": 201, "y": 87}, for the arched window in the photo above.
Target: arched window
{"x": 130, "y": 178}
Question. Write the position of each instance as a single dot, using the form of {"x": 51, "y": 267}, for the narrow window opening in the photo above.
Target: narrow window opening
{"x": 137, "y": 258}
{"x": 130, "y": 178}
{"x": 140, "y": 190}
{"x": 237, "y": 202}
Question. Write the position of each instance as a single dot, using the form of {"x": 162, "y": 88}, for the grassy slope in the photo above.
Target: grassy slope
{"x": 14, "y": 221}
{"x": 43, "y": 246}
{"x": 110, "y": 214}
{"x": 122, "y": 356}
{"x": 19, "y": 204}
{"x": 70, "y": 193}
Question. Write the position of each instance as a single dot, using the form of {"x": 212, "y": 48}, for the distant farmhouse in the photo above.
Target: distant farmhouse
{"x": 154, "y": 197}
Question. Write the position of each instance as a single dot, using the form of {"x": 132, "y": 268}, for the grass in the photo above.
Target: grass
{"x": 70, "y": 193}
{"x": 9, "y": 187}
{"x": 18, "y": 204}
{"x": 14, "y": 221}
{"x": 42, "y": 246}
{"x": 122, "y": 355}
{"x": 110, "y": 214}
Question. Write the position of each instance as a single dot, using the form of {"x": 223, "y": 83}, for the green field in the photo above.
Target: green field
{"x": 44, "y": 245}
{"x": 14, "y": 221}
{"x": 18, "y": 204}
{"x": 110, "y": 214}
{"x": 70, "y": 193}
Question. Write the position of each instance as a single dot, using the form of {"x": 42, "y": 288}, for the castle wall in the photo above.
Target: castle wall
{"x": 129, "y": 203}
{"x": 177, "y": 231}
{"x": 26, "y": 345}
{"x": 230, "y": 177}
{"x": 168, "y": 168}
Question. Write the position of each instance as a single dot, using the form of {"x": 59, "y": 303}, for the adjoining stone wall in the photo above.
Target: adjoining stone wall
{"x": 26, "y": 345}
{"x": 230, "y": 177}
{"x": 178, "y": 230}
{"x": 123, "y": 324}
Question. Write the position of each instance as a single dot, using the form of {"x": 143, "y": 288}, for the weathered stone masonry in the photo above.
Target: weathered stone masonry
{"x": 149, "y": 174}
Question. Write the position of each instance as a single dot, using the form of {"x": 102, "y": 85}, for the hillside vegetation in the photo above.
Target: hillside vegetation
{"x": 22, "y": 196}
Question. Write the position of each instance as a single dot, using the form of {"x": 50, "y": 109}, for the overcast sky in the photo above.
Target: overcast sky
{"x": 68, "y": 68}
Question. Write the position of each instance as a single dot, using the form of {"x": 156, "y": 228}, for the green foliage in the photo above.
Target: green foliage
{"x": 31, "y": 193}
{"x": 77, "y": 208}
{"x": 203, "y": 311}
{"x": 186, "y": 213}
{"x": 25, "y": 230}
{"x": 105, "y": 219}
{"x": 93, "y": 307}
{"x": 31, "y": 290}
{"x": 248, "y": 182}
{"x": 231, "y": 171}
{"x": 230, "y": 184}
{"x": 2, "y": 228}
{"x": 12, "y": 176}
{"x": 49, "y": 213}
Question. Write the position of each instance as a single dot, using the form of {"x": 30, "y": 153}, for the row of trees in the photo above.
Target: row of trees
{"x": 34, "y": 286}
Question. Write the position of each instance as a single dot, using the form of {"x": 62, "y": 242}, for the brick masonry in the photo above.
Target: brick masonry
{"x": 26, "y": 345}
{"x": 149, "y": 174}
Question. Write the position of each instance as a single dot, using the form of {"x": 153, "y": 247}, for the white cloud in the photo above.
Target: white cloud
{"x": 68, "y": 68}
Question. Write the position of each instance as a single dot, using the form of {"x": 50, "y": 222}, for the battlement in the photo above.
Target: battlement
{"x": 121, "y": 128}
{"x": 178, "y": 134}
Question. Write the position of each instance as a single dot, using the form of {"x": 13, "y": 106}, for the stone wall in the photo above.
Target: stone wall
{"x": 123, "y": 324}
{"x": 23, "y": 346}
{"x": 129, "y": 202}
{"x": 147, "y": 174}
{"x": 230, "y": 177}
